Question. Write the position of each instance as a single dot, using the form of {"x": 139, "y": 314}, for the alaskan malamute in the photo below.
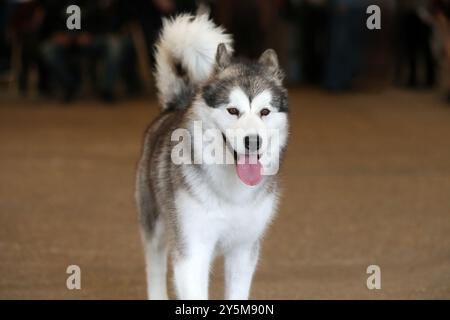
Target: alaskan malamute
{"x": 192, "y": 208}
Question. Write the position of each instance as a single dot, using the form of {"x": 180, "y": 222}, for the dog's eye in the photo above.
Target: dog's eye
{"x": 233, "y": 111}
{"x": 264, "y": 112}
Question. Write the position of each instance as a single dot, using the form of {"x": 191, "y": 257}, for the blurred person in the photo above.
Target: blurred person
{"x": 4, "y": 45}
{"x": 250, "y": 21}
{"x": 441, "y": 13}
{"x": 286, "y": 37}
{"x": 378, "y": 51}
{"x": 102, "y": 42}
{"x": 149, "y": 14}
{"x": 114, "y": 44}
{"x": 415, "y": 35}
{"x": 61, "y": 49}
{"x": 25, "y": 25}
{"x": 347, "y": 23}
{"x": 112, "y": 49}
{"x": 313, "y": 19}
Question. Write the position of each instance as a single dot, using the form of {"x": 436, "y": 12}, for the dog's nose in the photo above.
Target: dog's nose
{"x": 253, "y": 142}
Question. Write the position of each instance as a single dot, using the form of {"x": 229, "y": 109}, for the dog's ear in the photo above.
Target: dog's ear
{"x": 269, "y": 59}
{"x": 223, "y": 57}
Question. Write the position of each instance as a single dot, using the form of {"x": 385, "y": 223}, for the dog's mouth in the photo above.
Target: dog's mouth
{"x": 248, "y": 167}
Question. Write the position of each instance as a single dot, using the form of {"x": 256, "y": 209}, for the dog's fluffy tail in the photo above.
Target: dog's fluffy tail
{"x": 185, "y": 57}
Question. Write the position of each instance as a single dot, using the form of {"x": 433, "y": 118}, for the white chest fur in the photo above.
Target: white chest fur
{"x": 224, "y": 210}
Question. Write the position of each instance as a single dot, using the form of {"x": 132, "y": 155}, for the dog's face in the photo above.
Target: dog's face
{"x": 248, "y": 104}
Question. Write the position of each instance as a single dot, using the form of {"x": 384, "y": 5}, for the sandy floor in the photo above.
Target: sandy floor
{"x": 366, "y": 179}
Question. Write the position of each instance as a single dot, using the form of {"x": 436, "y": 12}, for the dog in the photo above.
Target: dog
{"x": 195, "y": 211}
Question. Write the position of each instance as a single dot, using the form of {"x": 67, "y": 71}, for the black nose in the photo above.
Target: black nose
{"x": 253, "y": 142}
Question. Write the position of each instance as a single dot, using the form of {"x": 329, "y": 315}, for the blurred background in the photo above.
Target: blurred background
{"x": 366, "y": 176}
{"x": 320, "y": 43}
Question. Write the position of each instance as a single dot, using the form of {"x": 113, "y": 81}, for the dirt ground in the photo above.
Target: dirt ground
{"x": 366, "y": 181}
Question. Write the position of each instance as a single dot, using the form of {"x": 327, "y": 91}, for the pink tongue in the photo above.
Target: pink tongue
{"x": 249, "y": 169}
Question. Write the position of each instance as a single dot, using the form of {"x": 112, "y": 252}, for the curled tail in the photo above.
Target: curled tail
{"x": 185, "y": 57}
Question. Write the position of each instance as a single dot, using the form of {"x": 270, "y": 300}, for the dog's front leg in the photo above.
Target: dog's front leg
{"x": 240, "y": 264}
{"x": 191, "y": 272}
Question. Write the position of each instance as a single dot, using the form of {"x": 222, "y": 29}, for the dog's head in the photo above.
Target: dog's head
{"x": 247, "y": 102}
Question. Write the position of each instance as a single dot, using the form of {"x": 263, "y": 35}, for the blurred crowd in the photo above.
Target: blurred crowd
{"x": 101, "y": 54}
{"x": 320, "y": 42}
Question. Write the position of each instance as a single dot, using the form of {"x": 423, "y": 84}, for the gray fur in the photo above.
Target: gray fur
{"x": 157, "y": 175}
